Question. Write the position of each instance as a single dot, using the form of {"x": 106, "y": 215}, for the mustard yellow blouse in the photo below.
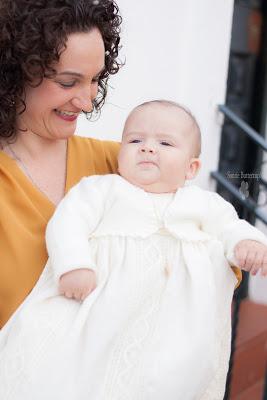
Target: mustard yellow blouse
{"x": 25, "y": 211}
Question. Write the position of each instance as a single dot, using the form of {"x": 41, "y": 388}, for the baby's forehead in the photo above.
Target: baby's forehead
{"x": 157, "y": 109}
{"x": 157, "y": 118}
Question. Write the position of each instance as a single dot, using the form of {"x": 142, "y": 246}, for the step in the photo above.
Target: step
{"x": 250, "y": 357}
{"x": 254, "y": 392}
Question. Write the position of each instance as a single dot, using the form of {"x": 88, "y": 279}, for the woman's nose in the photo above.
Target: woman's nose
{"x": 84, "y": 101}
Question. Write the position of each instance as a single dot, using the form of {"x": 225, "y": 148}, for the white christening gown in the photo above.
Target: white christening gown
{"x": 158, "y": 324}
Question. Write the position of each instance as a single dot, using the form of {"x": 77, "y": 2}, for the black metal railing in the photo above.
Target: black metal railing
{"x": 246, "y": 128}
{"x": 246, "y": 202}
{"x": 250, "y": 205}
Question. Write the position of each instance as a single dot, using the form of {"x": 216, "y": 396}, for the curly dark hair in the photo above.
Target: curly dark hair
{"x": 33, "y": 34}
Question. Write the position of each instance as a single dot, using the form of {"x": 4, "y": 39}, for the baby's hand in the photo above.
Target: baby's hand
{"x": 251, "y": 256}
{"x": 77, "y": 284}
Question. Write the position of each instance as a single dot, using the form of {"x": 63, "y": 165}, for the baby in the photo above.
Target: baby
{"x": 154, "y": 256}
{"x": 160, "y": 150}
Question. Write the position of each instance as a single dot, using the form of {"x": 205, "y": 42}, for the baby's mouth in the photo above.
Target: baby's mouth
{"x": 147, "y": 162}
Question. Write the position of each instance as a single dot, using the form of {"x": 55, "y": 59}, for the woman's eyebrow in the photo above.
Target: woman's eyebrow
{"x": 72, "y": 73}
{"x": 78, "y": 74}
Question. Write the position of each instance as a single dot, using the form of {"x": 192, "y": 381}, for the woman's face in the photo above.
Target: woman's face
{"x": 53, "y": 107}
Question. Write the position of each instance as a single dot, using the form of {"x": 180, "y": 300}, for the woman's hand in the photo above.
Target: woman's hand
{"x": 77, "y": 284}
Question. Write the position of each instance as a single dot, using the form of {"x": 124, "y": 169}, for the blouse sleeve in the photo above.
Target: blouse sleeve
{"x": 223, "y": 222}
{"x": 68, "y": 231}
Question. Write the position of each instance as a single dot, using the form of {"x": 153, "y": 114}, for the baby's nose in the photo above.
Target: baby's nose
{"x": 148, "y": 149}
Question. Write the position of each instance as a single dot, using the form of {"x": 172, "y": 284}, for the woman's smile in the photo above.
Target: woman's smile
{"x": 67, "y": 115}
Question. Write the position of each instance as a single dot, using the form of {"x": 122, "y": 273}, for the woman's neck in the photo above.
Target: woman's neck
{"x": 43, "y": 161}
{"x": 33, "y": 146}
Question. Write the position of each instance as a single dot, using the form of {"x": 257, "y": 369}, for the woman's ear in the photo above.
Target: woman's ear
{"x": 193, "y": 169}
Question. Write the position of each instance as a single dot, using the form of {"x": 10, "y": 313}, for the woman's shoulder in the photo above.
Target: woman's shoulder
{"x": 88, "y": 156}
{"x": 107, "y": 147}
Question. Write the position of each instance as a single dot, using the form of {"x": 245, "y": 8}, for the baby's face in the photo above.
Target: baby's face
{"x": 157, "y": 152}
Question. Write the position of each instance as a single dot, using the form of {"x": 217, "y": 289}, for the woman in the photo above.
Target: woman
{"x": 56, "y": 57}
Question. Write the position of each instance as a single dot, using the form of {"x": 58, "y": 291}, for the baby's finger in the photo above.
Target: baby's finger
{"x": 240, "y": 254}
{"x": 264, "y": 266}
{"x": 69, "y": 294}
{"x": 254, "y": 270}
{"x": 84, "y": 295}
{"x": 249, "y": 262}
{"x": 64, "y": 287}
{"x": 257, "y": 264}
{"x": 240, "y": 257}
{"x": 77, "y": 295}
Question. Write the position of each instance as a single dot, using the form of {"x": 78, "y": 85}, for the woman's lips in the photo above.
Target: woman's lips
{"x": 66, "y": 117}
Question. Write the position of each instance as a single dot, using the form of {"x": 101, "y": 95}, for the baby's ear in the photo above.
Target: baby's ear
{"x": 193, "y": 169}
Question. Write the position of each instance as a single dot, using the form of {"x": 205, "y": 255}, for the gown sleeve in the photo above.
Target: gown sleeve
{"x": 223, "y": 222}
{"x": 69, "y": 229}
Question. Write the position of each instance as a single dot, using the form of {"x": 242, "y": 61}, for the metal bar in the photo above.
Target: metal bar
{"x": 248, "y": 203}
{"x": 254, "y": 208}
{"x": 254, "y": 135}
{"x": 235, "y": 321}
{"x": 265, "y": 386}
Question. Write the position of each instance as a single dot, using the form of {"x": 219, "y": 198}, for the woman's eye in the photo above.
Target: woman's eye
{"x": 165, "y": 143}
{"x": 135, "y": 141}
{"x": 67, "y": 84}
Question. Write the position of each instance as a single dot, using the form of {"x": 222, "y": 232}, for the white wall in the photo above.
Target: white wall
{"x": 174, "y": 49}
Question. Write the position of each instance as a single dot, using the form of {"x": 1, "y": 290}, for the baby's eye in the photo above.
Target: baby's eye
{"x": 135, "y": 141}
{"x": 164, "y": 143}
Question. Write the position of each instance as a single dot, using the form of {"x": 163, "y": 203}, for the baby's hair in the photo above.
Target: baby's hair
{"x": 170, "y": 103}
